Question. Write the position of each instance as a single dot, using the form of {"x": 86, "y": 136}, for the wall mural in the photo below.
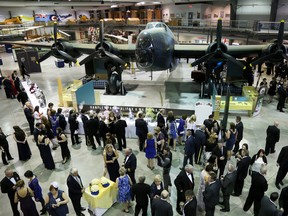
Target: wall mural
{"x": 51, "y": 17}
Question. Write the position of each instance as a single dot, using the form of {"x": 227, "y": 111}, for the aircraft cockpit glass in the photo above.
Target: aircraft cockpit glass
{"x": 144, "y": 50}
{"x": 156, "y": 25}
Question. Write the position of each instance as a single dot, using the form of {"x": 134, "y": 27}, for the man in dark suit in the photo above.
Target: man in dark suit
{"x": 268, "y": 206}
{"x": 242, "y": 171}
{"x": 160, "y": 118}
{"x": 142, "y": 193}
{"x": 190, "y": 206}
{"x": 4, "y": 148}
{"x": 130, "y": 164}
{"x": 256, "y": 192}
{"x": 36, "y": 133}
{"x": 141, "y": 130}
{"x": 283, "y": 201}
{"x": 221, "y": 152}
{"x": 103, "y": 129}
{"x": 28, "y": 111}
{"x": 200, "y": 142}
{"x": 184, "y": 181}
{"x": 92, "y": 129}
{"x": 211, "y": 194}
{"x": 189, "y": 148}
{"x": 239, "y": 128}
{"x": 75, "y": 191}
{"x": 160, "y": 206}
{"x": 282, "y": 162}
{"x": 273, "y": 136}
{"x": 227, "y": 183}
{"x": 84, "y": 119}
{"x": 120, "y": 128}
{"x": 8, "y": 186}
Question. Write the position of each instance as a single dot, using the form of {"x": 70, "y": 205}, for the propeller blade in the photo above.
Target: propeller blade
{"x": 45, "y": 56}
{"x": 233, "y": 60}
{"x": 101, "y": 32}
{"x": 280, "y": 34}
{"x": 202, "y": 59}
{"x": 262, "y": 59}
{"x": 89, "y": 58}
{"x": 114, "y": 57}
{"x": 219, "y": 33}
{"x": 55, "y": 32}
{"x": 67, "y": 56}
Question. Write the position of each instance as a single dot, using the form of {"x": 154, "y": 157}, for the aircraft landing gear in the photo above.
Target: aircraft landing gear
{"x": 115, "y": 85}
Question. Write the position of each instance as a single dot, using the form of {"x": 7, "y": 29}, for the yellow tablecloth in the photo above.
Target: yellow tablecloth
{"x": 104, "y": 199}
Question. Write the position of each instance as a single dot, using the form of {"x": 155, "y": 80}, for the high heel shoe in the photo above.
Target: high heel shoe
{"x": 64, "y": 161}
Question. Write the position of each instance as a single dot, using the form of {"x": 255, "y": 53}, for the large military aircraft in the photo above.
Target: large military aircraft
{"x": 156, "y": 49}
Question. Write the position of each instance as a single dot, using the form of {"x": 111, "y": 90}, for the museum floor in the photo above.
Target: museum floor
{"x": 145, "y": 93}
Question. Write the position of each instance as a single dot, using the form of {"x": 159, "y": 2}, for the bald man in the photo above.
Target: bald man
{"x": 273, "y": 136}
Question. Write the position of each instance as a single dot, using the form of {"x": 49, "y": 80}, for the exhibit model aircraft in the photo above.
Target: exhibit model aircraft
{"x": 156, "y": 49}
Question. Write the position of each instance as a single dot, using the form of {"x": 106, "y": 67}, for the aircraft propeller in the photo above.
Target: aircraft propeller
{"x": 278, "y": 48}
{"x": 57, "y": 49}
{"x": 217, "y": 50}
{"x": 101, "y": 50}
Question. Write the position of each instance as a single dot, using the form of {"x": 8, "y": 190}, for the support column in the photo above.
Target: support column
{"x": 233, "y": 12}
{"x": 273, "y": 11}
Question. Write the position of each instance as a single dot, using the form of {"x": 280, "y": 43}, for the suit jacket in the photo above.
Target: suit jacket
{"x": 267, "y": 207}
{"x": 161, "y": 207}
{"x": 200, "y": 138}
{"x": 7, "y": 186}
{"x": 141, "y": 127}
{"x": 142, "y": 193}
{"x": 160, "y": 120}
{"x": 239, "y": 128}
{"x": 211, "y": 194}
{"x": 258, "y": 185}
{"x": 217, "y": 151}
{"x": 103, "y": 129}
{"x": 283, "y": 157}
{"x": 190, "y": 207}
{"x": 283, "y": 199}
{"x": 92, "y": 126}
{"x": 273, "y": 134}
{"x": 183, "y": 183}
{"x": 228, "y": 183}
{"x": 189, "y": 146}
{"x": 131, "y": 163}
{"x": 120, "y": 126}
{"x": 242, "y": 168}
{"x": 74, "y": 188}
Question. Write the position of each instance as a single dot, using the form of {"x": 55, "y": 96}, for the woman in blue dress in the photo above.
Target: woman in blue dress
{"x": 36, "y": 188}
{"x": 24, "y": 196}
{"x": 150, "y": 147}
{"x": 231, "y": 135}
{"x": 56, "y": 201}
{"x": 181, "y": 128}
{"x": 124, "y": 184}
{"x": 171, "y": 128}
{"x": 54, "y": 120}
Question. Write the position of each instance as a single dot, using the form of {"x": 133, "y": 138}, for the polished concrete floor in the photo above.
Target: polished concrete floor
{"x": 90, "y": 163}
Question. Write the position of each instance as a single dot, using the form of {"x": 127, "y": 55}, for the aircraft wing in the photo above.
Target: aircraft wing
{"x": 28, "y": 44}
{"x": 197, "y": 51}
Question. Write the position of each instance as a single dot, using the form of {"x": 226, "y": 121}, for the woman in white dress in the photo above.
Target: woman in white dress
{"x": 37, "y": 115}
{"x": 204, "y": 176}
{"x": 191, "y": 124}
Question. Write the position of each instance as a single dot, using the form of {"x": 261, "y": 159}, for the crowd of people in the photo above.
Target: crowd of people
{"x": 207, "y": 145}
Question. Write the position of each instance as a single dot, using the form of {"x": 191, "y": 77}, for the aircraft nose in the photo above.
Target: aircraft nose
{"x": 144, "y": 50}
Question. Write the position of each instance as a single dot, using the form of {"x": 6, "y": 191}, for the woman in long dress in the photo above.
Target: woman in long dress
{"x": 44, "y": 147}
{"x": 172, "y": 130}
{"x": 111, "y": 156}
{"x": 124, "y": 184}
{"x": 24, "y": 196}
{"x": 20, "y": 137}
{"x": 203, "y": 179}
{"x": 150, "y": 147}
{"x": 63, "y": 142}
{"x": 36, "y": 188}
